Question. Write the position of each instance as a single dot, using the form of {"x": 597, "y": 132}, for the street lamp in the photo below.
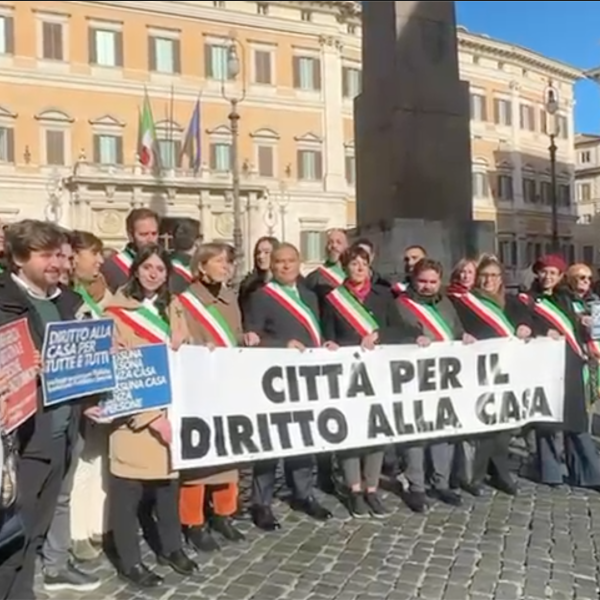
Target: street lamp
{"x": 235, "y": 66}
{"x": 551, "y": 98}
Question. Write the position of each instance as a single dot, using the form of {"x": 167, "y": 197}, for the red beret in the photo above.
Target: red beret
{"x": 550, "y": 260}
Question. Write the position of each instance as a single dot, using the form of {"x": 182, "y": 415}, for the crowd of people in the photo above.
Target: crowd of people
{"x": 84, "y": 485}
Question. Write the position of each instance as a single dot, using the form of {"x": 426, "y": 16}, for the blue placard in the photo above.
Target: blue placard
{"x": 143, "y": 382}
{"x": 78, "y": 360}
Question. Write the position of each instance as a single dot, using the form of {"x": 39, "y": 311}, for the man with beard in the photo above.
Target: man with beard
{"x": 330, "y": 274}
{"x": 142, "y": 230}
{"x": 412, "y": 255}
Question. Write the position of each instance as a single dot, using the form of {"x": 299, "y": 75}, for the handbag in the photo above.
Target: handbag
{"x": 11, "y": 523}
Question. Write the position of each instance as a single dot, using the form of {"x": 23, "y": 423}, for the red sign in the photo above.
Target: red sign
{"x": 18, "y": 372}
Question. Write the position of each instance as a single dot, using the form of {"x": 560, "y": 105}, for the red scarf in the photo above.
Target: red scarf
{"x": 457, "y": 289}
{"x": 361, "y": 291}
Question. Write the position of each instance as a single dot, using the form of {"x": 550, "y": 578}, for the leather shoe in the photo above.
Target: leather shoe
{"x": 263, "y": 518}
{"x": 504, "y": 486}
{"x": 141, "y": 577}
{"x": 475, "y": 489}
{"x": 312, "y": 508}
{"x": 225, "y": 527}
{"x": 201, "y": 539}
{"x": 180, "y": 562}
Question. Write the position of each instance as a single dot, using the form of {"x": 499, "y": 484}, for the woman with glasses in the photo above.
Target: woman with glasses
{"x": 488, "y": 312}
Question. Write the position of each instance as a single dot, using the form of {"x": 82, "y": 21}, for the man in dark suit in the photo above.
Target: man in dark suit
{"x": 284, "y": 314}
{"x": 186, "y": 236}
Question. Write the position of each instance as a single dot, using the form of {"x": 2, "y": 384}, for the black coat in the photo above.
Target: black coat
{"x": 252, "y": 282}
{"x": 380, "y": 304}
{"x": 274, "y": 323}
{"x": 35, "y": 435}
{"x": 114, "y": 275}
{"x": 178, "y": 283}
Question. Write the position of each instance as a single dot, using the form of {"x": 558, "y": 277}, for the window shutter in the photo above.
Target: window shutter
{"x": 93, "y": 56}
{"x": 176, "y": 56}
{"x": 177, "y": 153}
{"x": 9, "y": 34}
{"x": 119, "y": 59}
{"x": 213, "y": 157}
{"x": 345, "y": 86}
{"x": 350, "y": 169}
{"x": 10, "y": 145}
{"x": 509, "y": 115}
{"x": 316, "y": 74}
{"x": 120, "y": 150}
{"x": 152, "y": 53}
{"x": 304, "y": 242}
{"x": 97, "y": 155}
{"x": 484, "y": 108}
{"x": 496, "y": 111}
{"x": 57, "y": 34}
{"x": 265, "y": 161}
{"x": 47, "y": 40}
{"x": 300, "y": 163}
{"x": 296, "y": 71}
{"x": 319, "y": 165}
{"x": 208, "y": 72}
{"x": 55, "y": 148}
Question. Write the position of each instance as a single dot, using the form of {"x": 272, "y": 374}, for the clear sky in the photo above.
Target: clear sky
{"x": 567, "y": 31}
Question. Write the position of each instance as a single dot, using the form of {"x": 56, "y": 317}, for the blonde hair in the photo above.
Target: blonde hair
{"x": 574, "y": 271}
{"x": 206, "y": 252}
{"x": 460, "y": 266}
{"x": 489, "y": 260}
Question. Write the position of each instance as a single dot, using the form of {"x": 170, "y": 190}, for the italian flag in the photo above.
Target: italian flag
{"x": 147, "y": 134}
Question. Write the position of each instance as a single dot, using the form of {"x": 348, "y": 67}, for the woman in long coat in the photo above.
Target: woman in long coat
{"x": 145, "y": 313}
{"x": 213, "y": 319}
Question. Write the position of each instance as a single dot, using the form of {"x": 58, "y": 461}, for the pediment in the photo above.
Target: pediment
{"x": 219, "y": 130}
{"x": 166, "y": 125}
{"x": 7, "y": 114}
{"x": 107, "y": 121}
{"x": 309, "y": 137}
{"x": 265, "y": 132}
{"x": 54, "y": 115}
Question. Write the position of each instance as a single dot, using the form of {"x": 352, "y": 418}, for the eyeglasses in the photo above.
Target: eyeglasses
{"x": 490, "y": 275}
{"x": 584, "y": 278}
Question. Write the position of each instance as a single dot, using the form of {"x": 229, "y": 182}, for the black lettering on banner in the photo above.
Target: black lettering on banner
{"x": 423, "y": 426}
{"x": 378, "y": 424}
{"x": 195, "y": 438}
{"x": 285, "y": 385}
{"x": 427, "y": 375}
{"x": 360, "y": 382}
{"x": 538, "y": 405}
{"x": 305, "y": 419}
{"x": 446, "y": 415}
{"x": 264, "y": 432}
{"x": 282, "y": 422}
{"x": 402, "y": 372}
{"x": 402, "y": 427}
{"x": 241, "y": 434}
{"x": 324, "y": 420}
{"x": 509, "y": 407}
{"x": 220, "y": 437}
{"x": 311, "y": 374}
{"x": 333, "y": 374}
{"x": 293, "y": 387}
{"x": 489, "y": 370}
{"x": 450, "y": 369}
{"x": 270, "y": 378}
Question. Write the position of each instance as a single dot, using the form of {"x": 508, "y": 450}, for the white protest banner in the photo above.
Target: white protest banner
{"x": 239, "y": 405}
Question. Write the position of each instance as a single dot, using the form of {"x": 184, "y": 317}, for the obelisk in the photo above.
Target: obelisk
{"x": 412, "y": 119}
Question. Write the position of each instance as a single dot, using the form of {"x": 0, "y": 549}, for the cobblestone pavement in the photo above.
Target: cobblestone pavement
{"x": 544, "y": 544}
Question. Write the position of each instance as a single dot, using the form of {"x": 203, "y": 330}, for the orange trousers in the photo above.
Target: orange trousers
{"x": 192, "y": 498}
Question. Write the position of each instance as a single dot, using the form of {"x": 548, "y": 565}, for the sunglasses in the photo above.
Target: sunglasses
{"x": 584, "y": 278}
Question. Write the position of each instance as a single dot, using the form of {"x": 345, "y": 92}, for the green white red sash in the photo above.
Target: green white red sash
{"x": 211, "y": 319}
{"x": 124, "y": 260}
{"x": 489, "y": 313}
{"x": 297, "y": 308}
{"x": 353, "y": 311}
{"x": 95, "y": 309}
{"x": 559, "y": 321}
{"x": 429, "y": 316}
{"x": 147, "y": 323}
{"x": 400, "y": 288}
{"x": 333, "y": 273}
{"x": 182, "y": 270}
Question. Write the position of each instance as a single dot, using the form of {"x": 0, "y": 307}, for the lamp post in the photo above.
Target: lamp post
{"x": 235, "y": 66}
{"x": 275, "y": 211}
{"x": 552, "y": 110}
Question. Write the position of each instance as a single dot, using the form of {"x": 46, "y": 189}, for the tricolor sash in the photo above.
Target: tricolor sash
{"x": 211, "y": 319}
{"x": 429, "y": 316}
{"x": 124, "y": 260}
{"x": 559, "y": 321}
{"x": 333, "y": 273}
{"x": 182, "y": 270}
{"x": 145, "y": 322}
{"x": 297, "y": 308}
{"x": 489, "y": 313}
{"x": 95, "y": 309}
{"x": 353, "y": 311}
{"x": 400, "y": 288}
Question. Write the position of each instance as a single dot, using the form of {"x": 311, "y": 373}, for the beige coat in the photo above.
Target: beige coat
{"x": 227, "y": 305}
{"x": 135, "y": 451}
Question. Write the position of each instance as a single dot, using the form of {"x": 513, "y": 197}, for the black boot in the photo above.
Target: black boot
{"x": 141, "y": 577}
{"x": 201, "y": 539}
{"x": 225, "y": 527}
{"x": 180, "y": 562}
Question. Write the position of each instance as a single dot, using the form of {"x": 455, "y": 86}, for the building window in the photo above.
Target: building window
{"x": 169, "y": 152}
{"x": 307, "y": 73}
{"x": 7, "y": 35}
{"x": 502, "y": 112}
{"x": 562, "y": 124}
{"x": 106, "y": 47}
{"x": 55, "y": 147}
{"x": 588, "y": 255}
{"x": 220, "y": 157}
{"x": 216, "y": 62}
{"x": 108, "y": 149}
{"x": 52, "y": 41}
{"x": 505, "y": 187}
{"x": 310, "y": 165}
{"x": 219, "y": 3}
{"x": 478, "y": 107}
{"x": 564, "y": 195}
{"x": 350, "y": 170}
{"x": 585, "y": 192}
{"x": 164, "y": 55}
{"x": 7, "y": 145}
{"x": 546, "y": 192}
{"x": 263, "y": 67}
{"x": 351, "y": 82}
{"x": 585, "y": 157}
{"x": 265, "y": 157}
{"x": 529, "y": 190}
{"x": 306, "y": 15}
{"x": 312, "y": 246}
{"x": 262, "y": 8}
{"x": 480, "y": 185}
{"x": 527, "y": 117}
{"x": 508, "y": 253}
